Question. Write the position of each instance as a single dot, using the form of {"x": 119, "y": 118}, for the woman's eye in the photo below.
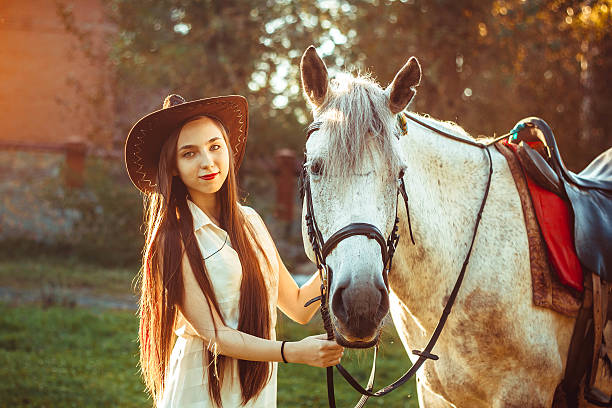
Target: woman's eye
{"x": 188, "y": 154}
{"x": 215, "y": 147}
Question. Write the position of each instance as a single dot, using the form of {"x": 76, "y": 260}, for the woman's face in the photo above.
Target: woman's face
{"x": 202, "y": 157}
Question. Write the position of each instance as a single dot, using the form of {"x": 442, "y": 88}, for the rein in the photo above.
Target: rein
{"x": 322, "y": 248}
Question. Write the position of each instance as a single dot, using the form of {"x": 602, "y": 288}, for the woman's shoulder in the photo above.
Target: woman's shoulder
{"x": 254, "y": 218}
{"x": 263, "y": 237}
{"x": 249, "y": 212}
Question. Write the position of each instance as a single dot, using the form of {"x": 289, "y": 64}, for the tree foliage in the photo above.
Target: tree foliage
{"x": 204, "y": 48}
{"x": 487, "y": 64}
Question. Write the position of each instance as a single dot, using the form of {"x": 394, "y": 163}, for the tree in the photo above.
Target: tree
{"x": 202, "y": 48}
{"x": 487, "y": 64}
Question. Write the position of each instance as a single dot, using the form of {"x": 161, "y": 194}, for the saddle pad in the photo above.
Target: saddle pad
{"x": 554, "y": 217}
{"x": 547, "y": 289}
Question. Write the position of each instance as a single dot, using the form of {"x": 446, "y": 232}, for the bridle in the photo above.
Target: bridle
{"x": 322, "y": 249}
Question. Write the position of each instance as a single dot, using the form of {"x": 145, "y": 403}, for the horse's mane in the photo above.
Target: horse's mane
{"x": 362, "y": 100}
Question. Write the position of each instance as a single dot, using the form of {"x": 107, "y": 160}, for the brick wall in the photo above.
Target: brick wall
{"x": 54, "y": 87}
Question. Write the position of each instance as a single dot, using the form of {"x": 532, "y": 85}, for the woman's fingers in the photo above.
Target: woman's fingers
{"x": 320, "y": 352}
{"x": 332, "y": 355}
{"x": 332, "y": 345}
{"x": 328, "y": 343}
{"x": 332, "y": 362}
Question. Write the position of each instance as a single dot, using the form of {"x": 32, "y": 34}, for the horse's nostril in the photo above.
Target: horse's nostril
{"x": 338, "y": 305}
{"x": 383, "y": 307}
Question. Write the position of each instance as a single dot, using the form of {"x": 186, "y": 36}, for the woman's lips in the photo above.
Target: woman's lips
{"x": 209, "y": 176}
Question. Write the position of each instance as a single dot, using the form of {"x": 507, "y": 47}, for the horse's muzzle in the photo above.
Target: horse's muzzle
{"x": 357, "y": 311}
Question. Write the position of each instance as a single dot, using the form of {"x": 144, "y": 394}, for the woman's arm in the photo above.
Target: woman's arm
{"x": 291, "y": 298}
{"x": 313, "y": 350}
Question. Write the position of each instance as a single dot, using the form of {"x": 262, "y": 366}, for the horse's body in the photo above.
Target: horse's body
{"x": 497, "y": 349}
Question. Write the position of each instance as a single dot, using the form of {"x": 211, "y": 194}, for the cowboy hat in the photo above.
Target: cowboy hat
{"x": 144, "y": 142}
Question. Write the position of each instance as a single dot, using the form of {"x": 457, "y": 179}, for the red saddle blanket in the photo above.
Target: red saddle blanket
{"x": 555, "y": 222}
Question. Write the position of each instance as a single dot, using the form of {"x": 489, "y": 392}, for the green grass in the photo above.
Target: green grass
{"x": 87, "y": 357}
{"x": 66, "y": 357}
{"x": 69, "y": 273}
{"x": 60, "y": 357}
{"x": 304, "y": 386}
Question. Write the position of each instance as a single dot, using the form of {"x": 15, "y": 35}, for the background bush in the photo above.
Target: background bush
{"x": 99, "y": 222}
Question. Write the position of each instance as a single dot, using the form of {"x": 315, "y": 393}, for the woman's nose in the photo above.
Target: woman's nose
{"x": 206, "y": 161}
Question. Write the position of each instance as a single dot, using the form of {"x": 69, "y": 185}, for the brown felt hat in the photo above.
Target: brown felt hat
{"x": 145, "y": 140}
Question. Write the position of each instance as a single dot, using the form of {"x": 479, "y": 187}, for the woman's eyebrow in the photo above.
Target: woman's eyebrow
{"x": 189, "y": 146}
{"x": 192, "y": 146}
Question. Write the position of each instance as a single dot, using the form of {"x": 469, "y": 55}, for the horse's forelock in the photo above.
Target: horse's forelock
{"x": 356, "y": 111}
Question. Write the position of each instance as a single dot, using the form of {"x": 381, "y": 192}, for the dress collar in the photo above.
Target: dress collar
{"x": 200, "y": 218}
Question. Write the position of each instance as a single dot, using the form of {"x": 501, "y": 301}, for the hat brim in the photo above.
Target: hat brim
{"x": 145, "y": 140}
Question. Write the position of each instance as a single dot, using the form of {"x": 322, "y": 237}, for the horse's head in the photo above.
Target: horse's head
{"x": 352, "y": 165}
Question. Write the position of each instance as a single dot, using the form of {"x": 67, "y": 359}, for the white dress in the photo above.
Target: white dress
{"x": 186, "y": 384}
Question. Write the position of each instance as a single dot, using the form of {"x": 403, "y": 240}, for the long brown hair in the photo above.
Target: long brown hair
{"x": 169, "y": 232}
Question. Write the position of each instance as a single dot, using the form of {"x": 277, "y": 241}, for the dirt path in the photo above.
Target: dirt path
{"x": 66, "y": 297}
{"x": 50, "y": 295}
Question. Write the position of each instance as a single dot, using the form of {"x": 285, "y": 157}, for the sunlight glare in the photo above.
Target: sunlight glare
{"x": 182, "y": 28}
{"x": 326, "y": 47}
{"x": 334, "y": 115}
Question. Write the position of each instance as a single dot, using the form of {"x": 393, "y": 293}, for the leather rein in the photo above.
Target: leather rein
{"x": 322, "y": 249}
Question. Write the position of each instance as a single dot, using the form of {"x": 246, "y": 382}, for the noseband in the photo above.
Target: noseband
{"x": 322, "y": 249}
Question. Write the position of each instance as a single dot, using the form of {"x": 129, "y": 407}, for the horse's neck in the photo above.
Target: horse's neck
{"x": 445, "y": 181}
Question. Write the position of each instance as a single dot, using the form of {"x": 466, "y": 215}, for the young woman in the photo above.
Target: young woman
{"x": 211, "y": 273}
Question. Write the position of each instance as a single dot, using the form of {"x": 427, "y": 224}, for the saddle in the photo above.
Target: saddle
{"x": 554, "y": 218}
{"x": 589, "y": 195}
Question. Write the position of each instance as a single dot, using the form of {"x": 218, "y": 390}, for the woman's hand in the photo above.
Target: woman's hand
{"x": 315, "y": 351}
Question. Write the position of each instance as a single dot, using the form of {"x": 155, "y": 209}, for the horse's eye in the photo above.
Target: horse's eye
{"x": 316, "y": 168}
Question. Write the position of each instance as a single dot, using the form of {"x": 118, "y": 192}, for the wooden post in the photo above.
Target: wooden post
{"x": 75, "y": 163}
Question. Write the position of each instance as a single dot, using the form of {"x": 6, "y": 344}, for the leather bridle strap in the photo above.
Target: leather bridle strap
{"x": 426, "y": 353}
{"x": 457, "y": 138}
{"x": 321, "y": 249}
{"x": 356, "y": 228}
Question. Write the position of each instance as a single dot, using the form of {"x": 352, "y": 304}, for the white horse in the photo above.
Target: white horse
{"x": 497, "y": 349}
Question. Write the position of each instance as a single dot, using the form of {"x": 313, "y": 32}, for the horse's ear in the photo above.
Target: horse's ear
{"x": 314, "y": 76}
{"x": 401, "y": 91}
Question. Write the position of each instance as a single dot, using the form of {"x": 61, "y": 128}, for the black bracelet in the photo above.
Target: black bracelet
{"x": 283, "y": 351}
